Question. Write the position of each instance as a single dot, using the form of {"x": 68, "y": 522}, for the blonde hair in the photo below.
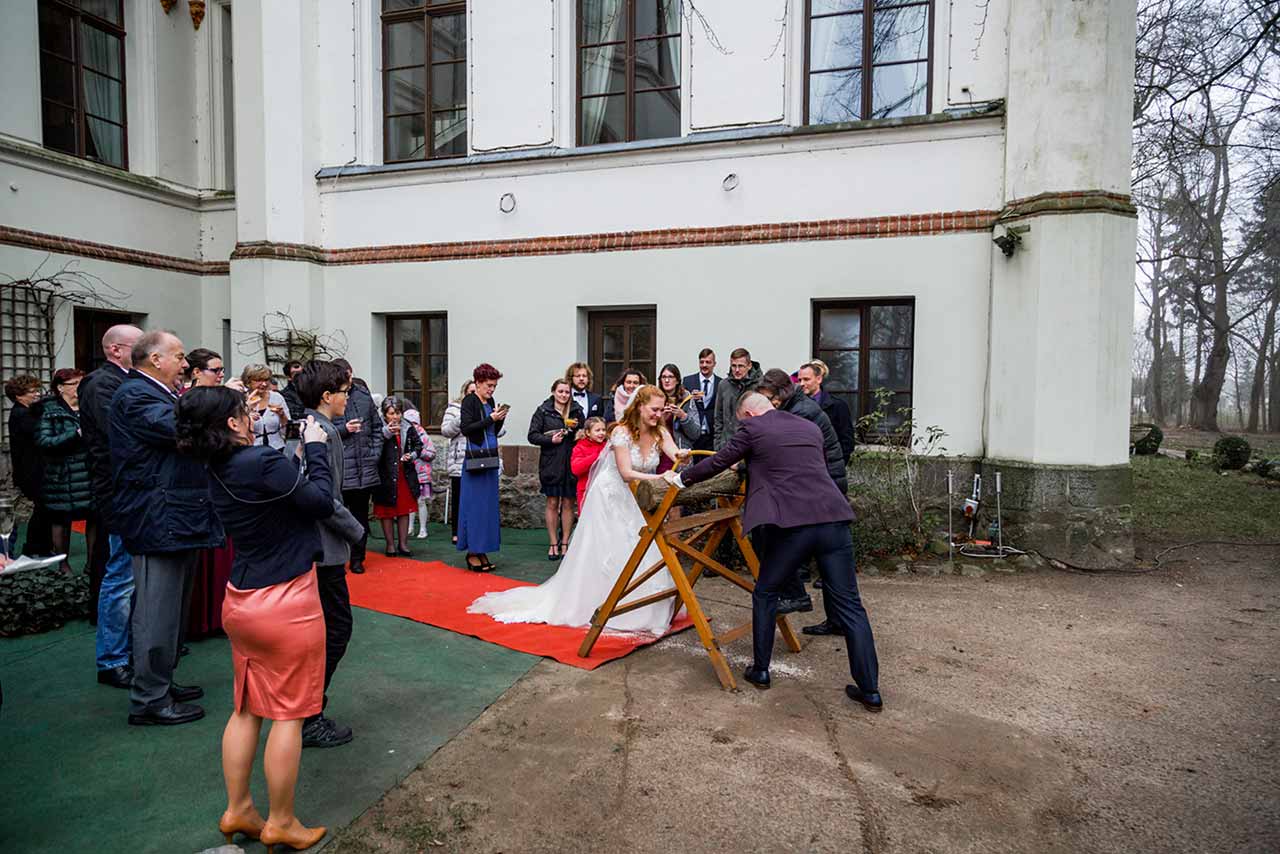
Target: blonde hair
{"x": 818, "y": 366}
{"x": 631, "y": 418}
{"x": 462, "y": 392}
{"x": 253, "y": 373}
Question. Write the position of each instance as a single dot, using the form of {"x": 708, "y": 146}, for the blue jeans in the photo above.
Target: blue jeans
{"x": 114, "y": 607}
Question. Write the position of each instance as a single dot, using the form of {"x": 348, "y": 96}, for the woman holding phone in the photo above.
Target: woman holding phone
{"x": 552, "y": 429}
{"x": 676, "y": 415}
{"x": 481, "y": 422}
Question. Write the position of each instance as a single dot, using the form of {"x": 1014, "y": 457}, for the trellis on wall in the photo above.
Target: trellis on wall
{"x": 280, "y": 340}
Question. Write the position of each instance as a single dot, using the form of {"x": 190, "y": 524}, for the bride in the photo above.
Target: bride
{"x": 607, "y": 532}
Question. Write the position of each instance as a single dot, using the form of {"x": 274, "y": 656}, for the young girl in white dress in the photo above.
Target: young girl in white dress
{"x": 607, "y": 532}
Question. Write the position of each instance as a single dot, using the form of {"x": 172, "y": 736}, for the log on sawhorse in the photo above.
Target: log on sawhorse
{"x": 678, "y": 537}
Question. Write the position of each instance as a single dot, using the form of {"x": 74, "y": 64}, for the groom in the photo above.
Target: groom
{"x": 800, "y": 515}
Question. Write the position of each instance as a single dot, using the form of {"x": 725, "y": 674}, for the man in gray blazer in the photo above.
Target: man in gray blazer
{"x": 323, "y": 387}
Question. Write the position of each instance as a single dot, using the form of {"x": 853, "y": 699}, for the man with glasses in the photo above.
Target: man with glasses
{"x": 323, "y": 387}
{"x": 110, "y": 565}
{"x": 744, "y": 376}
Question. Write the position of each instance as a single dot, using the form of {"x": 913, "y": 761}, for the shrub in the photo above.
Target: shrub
{"x": 1149, "y": 442}
{"x": 1192, "y": 455}
{"x": 1267, "y": 468}
{"x": 40, "y": 600}
{"x": 1231, "y": 453}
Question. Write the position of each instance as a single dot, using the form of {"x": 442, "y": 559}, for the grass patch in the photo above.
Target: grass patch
{"x": 1174, "y": 500}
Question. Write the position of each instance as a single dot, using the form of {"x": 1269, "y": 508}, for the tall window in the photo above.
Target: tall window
{"x": 82, "y": 102}
{"x": 418, "y": 363}
{"x": 424, "y": 79}
{"x": 628, "y": 70}
{"x": 867, "y": 59}
{"x": 622, "y": 340}
{"x": 867, "y": 345}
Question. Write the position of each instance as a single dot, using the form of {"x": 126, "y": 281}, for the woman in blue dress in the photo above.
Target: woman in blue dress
{"x": 478, "y": 520}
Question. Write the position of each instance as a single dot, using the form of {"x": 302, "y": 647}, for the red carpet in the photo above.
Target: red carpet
{"x": 438, "y": 594}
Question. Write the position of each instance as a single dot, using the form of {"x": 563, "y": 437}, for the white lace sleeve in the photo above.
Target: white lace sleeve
{"x": 621, "y": 437}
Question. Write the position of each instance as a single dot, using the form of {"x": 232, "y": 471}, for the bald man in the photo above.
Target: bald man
{"x": 799, "y": 514}
{"x": 110, "y": 566}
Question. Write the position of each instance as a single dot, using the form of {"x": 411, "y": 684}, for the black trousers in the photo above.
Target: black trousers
{"x": 455, "y": 493}
{"x": 704, "y": 442}
{"x": 39, "y": 539}
{"x": 335, "y": 601}
{"x": 783, "y": 550}
{"x": 357, "y": 501}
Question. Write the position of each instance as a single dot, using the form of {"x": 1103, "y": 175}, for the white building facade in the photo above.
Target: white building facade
{"x": 431, "y": 185}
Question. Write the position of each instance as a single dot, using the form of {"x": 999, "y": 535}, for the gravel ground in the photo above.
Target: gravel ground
{"x": 1038, "y": 712}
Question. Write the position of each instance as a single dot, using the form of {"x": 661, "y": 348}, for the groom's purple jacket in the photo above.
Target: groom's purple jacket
{"x": 787, "y": 484}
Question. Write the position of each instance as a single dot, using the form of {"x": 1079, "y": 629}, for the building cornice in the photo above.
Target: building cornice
{"x": 905, "y": 225}
{"x": 19, "y": 152}
{"x": 10, "y": 236}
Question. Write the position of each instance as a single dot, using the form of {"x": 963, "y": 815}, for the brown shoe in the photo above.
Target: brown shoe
{"x": 249, "y": 823}
{"x": 296, "y": 836}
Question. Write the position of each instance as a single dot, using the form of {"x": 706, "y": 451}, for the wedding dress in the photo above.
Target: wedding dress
{"x": 608, "y": 529}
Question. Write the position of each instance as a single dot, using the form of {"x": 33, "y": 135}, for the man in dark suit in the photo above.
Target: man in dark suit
{"x": 799, "y": 514}
{"x": 579, "y": 377}
{"x": 703, "y": 386}
{"x": 810, "y": 377}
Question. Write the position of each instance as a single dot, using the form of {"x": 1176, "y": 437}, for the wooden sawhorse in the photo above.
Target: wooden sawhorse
{"x": 680, "y": 536}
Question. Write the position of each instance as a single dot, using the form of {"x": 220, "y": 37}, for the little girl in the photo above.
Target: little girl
{"x": 591, "y": 441}
{"x": 423, "y": 464}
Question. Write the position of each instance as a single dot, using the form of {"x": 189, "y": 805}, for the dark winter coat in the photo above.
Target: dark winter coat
{"x": 799, "y": 404}
{"x": 391, "y": 469}
{"x": 727, "y": 402}
{"x": 837, "y": 411}
{"x": 553, "y": 458}
{"x": 293, "y": 401}
{"x": 361, "y": 452}
{"x": 23, "y": 451}
{"x": 65, "y": 485}
{"x": 162, "y": 499}
{"x": 96, "y": 391}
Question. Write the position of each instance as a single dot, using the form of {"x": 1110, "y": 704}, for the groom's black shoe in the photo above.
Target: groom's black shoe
{"x": 790, "y": 606}
{"x": 757, "y": 676}
{"x": 871, "y": 702}
{"x": 826, "y": 627}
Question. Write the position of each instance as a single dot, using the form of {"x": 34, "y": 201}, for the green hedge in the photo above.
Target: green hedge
{"x": 40, "y": 600}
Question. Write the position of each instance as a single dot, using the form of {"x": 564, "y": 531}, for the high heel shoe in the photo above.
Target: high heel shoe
{"x": 250, "y": 824}
{"x": 296, "y": 837}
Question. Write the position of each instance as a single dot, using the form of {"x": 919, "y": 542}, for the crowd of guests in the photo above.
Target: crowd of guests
{"x": 229, "y": 504}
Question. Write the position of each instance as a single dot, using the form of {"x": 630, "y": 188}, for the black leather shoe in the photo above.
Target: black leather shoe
{"x": 171, "y": 715}
{"x": 185, "y": 693}
{"x": 757, "y": 676}
{"x": 871, "y": 702}
{"x": 357, "y": 567}
{"x": 826, "y": 627}
{"x": 790, "y": 606}
{"x": 323, "y": 732}
{"x": 403, "y": 552}
{"x": 116, "y": 677}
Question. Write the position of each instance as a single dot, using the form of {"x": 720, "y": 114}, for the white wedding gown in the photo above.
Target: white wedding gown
{"x": 608, "y": 529}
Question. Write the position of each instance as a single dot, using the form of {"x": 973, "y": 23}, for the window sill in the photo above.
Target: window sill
{"x": 21, "y": 152}
{"x": 552, "y": 154}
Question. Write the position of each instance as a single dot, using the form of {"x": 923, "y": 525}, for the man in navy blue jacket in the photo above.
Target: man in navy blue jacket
{"x": 164, "y": 516}
{"x": 799, "y": 514}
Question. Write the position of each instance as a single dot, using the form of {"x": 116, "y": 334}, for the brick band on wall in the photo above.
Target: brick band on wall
{"x": 105, "y": 252}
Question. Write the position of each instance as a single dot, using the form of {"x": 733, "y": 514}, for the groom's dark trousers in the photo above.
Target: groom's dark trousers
{"x": 785, "y": 550}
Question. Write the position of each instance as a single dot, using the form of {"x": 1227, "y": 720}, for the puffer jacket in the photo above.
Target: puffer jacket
{"x": 361, "y": 451}
{"x": 65, "y": 483}
{"x": 451, "y": 429}
{"x": 809, "y": 410}
{"x": 727, "y": 402}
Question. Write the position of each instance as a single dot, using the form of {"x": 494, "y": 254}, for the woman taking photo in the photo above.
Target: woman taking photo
{"x": 451, "y": 429}
{"x": 397, "y": 496}
{"x": 552, "y": 430}
{"x": 272, "y": 609}
{"x": 66, "y": 491}
{"x": 684, "y": 428}
{"x": 481, "y": 421}
{"x": 267, "y": 408}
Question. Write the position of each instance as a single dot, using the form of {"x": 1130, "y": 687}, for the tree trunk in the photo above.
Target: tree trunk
{"x": 1208, "y": 391}
{"x": 1273, "y": 414}
{"x": 1258, "y": 392}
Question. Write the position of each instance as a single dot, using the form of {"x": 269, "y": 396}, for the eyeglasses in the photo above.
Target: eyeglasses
{"x": 218, "y": 371}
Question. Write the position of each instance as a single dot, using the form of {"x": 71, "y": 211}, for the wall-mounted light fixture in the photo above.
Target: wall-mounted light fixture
{"x": 507, "y": 202}
{"x": 730, "y": 182}
{"x": 1011, "y": 239}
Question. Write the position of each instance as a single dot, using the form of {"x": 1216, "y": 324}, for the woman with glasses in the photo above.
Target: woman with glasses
{"x": 267, "y": 408}
{"x": 66, "y": 491}
{"x": 204, "y": 368}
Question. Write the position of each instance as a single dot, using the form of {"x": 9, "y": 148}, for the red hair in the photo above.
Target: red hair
{"x": 485, "y": 371}
{"x": 62, "y": 376}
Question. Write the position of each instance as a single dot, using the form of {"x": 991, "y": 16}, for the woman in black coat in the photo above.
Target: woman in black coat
{"x": 552, "y": 430}
{"x": 66, "y": 490}
{"x": 396, "y": 496}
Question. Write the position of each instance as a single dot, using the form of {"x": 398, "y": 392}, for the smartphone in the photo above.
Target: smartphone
{"x": 293, "y": 430}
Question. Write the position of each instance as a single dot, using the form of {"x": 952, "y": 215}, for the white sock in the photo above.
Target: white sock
{"x": 422, "y": 519}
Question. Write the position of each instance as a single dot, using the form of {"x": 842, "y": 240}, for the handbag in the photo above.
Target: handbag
{"x": 480, "y": 459}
